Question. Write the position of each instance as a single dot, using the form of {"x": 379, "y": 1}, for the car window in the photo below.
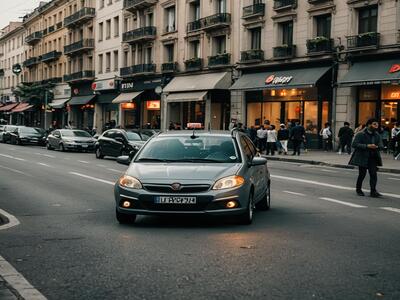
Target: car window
{"x": 145, "y": 137}
{"x": 108, "y": 134}
{"x": 75, "y": 133}
{"x": 118, "y": 135}
{"x": 246, "y": 148}
{"x": 28, "y": 130}
{"x": 252, "y": 148}
{"x": 133, "y": 136}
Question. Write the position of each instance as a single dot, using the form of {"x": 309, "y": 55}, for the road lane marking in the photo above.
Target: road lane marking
{"x": 342, "y": 202}
{"x": 391, "y": 178}
{"x": 102, "y": 166}
{"x": 396, "y": 210}
{"x": 294, "y": 193}
{"x": 116, "y": 171}
{"x": 13, "y": 170}
{"x": 18, "y": 282}
{"x": 92, "y": 178}
{"x": 47, "y": 155}
{"x": 340, "y": 187}
{"x": 12, "y": 157}
{"x": 328, "y": 171}
{"x": 12, "y": 221}
{"x": 83, "y": 161}
{"x": 45, "y": 165}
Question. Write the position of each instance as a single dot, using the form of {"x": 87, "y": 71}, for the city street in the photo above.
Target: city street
{"x": 319, "y": 240}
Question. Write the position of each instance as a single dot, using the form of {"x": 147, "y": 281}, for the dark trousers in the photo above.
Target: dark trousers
{"x": 347, "y": 144}
{"x": 327, "y": 144}
{"x": 271, "y": 148}
{"x": 373, "y": 176}
{"x": 296, "y": 147}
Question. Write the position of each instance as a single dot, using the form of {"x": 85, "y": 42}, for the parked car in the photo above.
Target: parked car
{"x": 1, "y": 132}
{"x": 194, "y": 173}
{"x": 27, "y": 135}
{"x": 70, "y": 139}
{"x": 117, "y": 142}
{"x": 7, "y": 132}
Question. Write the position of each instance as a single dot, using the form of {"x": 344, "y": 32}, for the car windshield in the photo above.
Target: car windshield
{"x": 201, "y": 149}
{"x": 75, "y": 133}
{"x": 133, "y": 136}
{"x": 28, "y": 130}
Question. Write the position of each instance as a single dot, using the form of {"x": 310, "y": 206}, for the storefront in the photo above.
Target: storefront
{"x": 59, "y": 113}
{"x": 81, "y": 106}
{"x": 19, "y": 114}
{"x": 288, "y": 96}
{"x": 203, "y": 99}
{"x": 376, "y": 87}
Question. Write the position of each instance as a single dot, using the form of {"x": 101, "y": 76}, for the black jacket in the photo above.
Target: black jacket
{"x": 362, "y": 154}
{"x": 297, "y": 133}
{"x": 283, "y": 134}
{"x": 345, "y": 133}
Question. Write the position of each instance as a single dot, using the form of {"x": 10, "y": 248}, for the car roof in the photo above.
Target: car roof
{"x": 197, "y": 133}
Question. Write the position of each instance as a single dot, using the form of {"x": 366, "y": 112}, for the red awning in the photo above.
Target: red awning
{"x": 21, "y": 107}
{"x": 8, "y": 107}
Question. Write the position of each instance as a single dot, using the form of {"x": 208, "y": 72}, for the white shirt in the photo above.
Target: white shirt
{"x": 262, "y": 133}
{"x": 395, "y": 131}
{"x": 272, "y": 136}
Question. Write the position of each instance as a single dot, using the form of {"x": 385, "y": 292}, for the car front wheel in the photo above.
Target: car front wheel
{"x": 62, "y": 148}
{"x": 99, "y": 154}
{"x": 48, "y": 146}
{"x": 265, "y": 203}
{"x": 247, "y": 217}
{"x": 125, "y": 218}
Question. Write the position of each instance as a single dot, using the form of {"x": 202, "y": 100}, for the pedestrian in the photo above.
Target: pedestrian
{"x": 326, "y": 134}
{"x": 272, "y": 138}
{"x": 261, "y": 138}
{"x": 253, "y": 134}
{"x": 283, "y": 137}
{"x": 395, "y": 144}
{"x": 297, "y": 135}
{"x": 384, "y": 132}
{"x": 358, "y": 128}
{"x": 367, "y": 145}
{"x": 345, "y": 136}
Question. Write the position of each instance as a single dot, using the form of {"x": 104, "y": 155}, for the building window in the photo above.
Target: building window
{"x": 100, "y": 32}
{"x": 324, "y": 25}
{"x": 255, "y": 38}
{"x": 126, "y": 55}
{"x": 287, "y": 33}
{"x": 221, "y": 6}
{"x": 116, "y": 26}
{"x": 195, "y": 49}
{"x": 170, "y": 20}
{"x": 100, "y": 63}
{"x": 116, "y": 62}
{"x": 108, "y": 62}
{"x": 368, "y": 19}
{"x": 149, "y": 56}
{"x": 108, "y": 29}
{"x": 195, "y": 10}
{"x": 169, "y": 50}
{"x": 219, "y": 44}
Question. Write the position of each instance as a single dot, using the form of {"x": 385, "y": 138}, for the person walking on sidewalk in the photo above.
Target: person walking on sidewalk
{"x": 297, "y": 136}
{"x": 283, "y": 137}
{"x": 326, "y": 134}
{"x": 345, "y": 136}
{"x": 271, "y": 140}
{"x": 261, "y": 138}
{"x": 395, "y": 139}
{"x": 367, "y": 145}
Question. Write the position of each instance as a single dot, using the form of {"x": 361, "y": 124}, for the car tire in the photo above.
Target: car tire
{"x": 48, "y": 146}
{"x": 61, "y": 147}
{"x": 265, "y": 203}
{"x": 18, "y": 142}
{"x": 125, "y": 218}
{"x": 247, "y": 217}
{"x": 99, "y": 154}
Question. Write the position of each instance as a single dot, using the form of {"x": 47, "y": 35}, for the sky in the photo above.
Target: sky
{"x": 12, "y": 10}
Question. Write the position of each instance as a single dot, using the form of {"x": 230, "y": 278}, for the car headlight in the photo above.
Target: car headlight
{"x": 130, "y": 182}
{"x": 228, "y": 182}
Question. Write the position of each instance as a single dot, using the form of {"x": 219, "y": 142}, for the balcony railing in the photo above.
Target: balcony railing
{"x": 51, "y": 56}
{"x": 79, "y": 76}
{"x": 34, "y": 37}
{"x": 138, "y": 69}
{"x": 82, "y": 45}
{"x": 169, "y": 67}
{"x": 83, "y": 15}
{"x": 140, "y": 34}
{"x": 319, "y": 45}
{"x": 219, "y": 60}
{"x": 194, "y": 64}
{"x": 283, "y": 4}
{"x": 285, "y": 51}
{"x": 257, "y": 9}
{"x": 211, "y": 22}
{"x": 364, "y": 40}
{"x": 30, "y": 62}
{"x": 253, "y": 55}
{"x": 132, "y": 5}
{"x": 52, "y": 80}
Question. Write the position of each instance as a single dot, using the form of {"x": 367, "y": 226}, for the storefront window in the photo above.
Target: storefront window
{"x": 152, "y": 114}
{"x": 129, "y": 113}
{"x": 272, "y": 111}
{"x": 254, "y": 114}
{"x": 389, "y": 113}
{"x": 325, "y": 112}
{"x": 366, "y": 110}
{"x": 293, "y": 112}
{"x": 311, "y": 116}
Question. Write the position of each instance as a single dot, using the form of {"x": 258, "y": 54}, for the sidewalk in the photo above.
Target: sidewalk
{"x": 333, "y": 159}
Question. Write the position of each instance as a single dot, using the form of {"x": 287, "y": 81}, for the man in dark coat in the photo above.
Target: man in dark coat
{"x": 297, "y": 135}
{"x": 367, "y": 144}
{"x": 345, "y": 136}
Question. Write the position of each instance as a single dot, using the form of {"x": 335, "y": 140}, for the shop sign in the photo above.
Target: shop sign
{"x": 390, "y": 92}
{"x": 103, "y": 85}
{"x": 153, "y": 105}
{"x": 394, "y": 68}
{"x": 141, "y": 85}
{"x": 129, "y": 105}
{"x": 275, "y": 80}
{"x": 194, "y": 125}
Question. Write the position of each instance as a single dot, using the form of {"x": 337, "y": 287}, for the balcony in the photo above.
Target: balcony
{"x": 210, "y": 23}
{"x": 79, "y": 76}
{"x": 368, "y": 40}
{"x": 30, "y": 62}
{"x": 133, "y": 5}
{"x": 34, "y": 37}
{"x": 2, "y": 72}
{"x": 219, "y": 60}
{"x": 169, "y": 67}
{"x": 53, "y": 80}
{"x": 284, "y": 51}
{"x": 319, "y": 45}
{"x": 51, "y": 56}
{"x": 250, "y": 56}
{"x": 193, "y": 64}
{"x": 81, "y": 16}
{"x": 81, "y": 46}
{"x": 141, "y": 34}
{"x": 141, "y": 69}
{"x": 318, "y": 1}
{"x": 284, "y": 4}
{"x": 253, "y": 10}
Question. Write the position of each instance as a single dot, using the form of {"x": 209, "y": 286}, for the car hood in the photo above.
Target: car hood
{"x": 184, "y": 172}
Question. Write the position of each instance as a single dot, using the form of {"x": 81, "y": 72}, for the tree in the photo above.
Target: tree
{"x": 34, "y": 93}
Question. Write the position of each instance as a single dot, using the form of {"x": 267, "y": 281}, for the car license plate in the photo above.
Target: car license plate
{"x": 84, "y": 146}
{"x": 175, "y": 200}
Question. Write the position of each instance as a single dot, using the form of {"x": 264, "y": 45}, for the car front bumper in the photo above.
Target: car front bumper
{"x": 89, "y": 147}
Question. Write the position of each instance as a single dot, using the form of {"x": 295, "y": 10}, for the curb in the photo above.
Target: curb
{"x": 321, "y": 163}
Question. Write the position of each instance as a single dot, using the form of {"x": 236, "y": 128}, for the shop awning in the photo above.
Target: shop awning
{"x": 8, "y": 107}
{"x": 81, "y": 100}
{"x": 106, "y": 98}
{"x": 186, "y": 97}
{"x": 21, "y": 107}
{"x": 203, "y": 82}
{"x": 58, "y": 103}
{"x": 295, "y": 78}
{"x": 372, "y": 72}
{"x": 126, "y": 97}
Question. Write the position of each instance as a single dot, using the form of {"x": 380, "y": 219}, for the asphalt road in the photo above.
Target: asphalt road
{"x": 319, "y": 240}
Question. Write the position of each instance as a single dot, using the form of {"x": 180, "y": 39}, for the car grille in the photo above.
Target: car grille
{"x": 185, "y": 189}
{"x": 83, "y": 142}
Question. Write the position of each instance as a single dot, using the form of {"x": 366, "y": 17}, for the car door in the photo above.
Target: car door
{"x": 253, "y": 172}
{"x": 54, "y": 138}
{"x": 118, "y": 143}
{"x": 105, "y": 142}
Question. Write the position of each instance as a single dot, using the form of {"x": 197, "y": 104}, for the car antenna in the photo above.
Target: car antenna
{"x": 193, "y": 136}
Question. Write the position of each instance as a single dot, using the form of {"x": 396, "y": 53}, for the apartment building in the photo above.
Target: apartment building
{"x": 109, "y": 54}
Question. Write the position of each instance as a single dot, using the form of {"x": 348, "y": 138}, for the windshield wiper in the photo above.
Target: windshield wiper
{"x": 199, "y": 160}
{"x": 153, "y": 160}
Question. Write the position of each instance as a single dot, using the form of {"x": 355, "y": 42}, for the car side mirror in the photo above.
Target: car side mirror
{"x": 258, "y": 161}
{"x": 124, "y": 160}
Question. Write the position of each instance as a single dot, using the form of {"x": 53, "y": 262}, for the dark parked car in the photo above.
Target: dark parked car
{"x": 117, "y": 142}
{"x": 194, "y": 173}
{"x": 1, "y": 132}
{"x": 28, "y": 135}
{"x": 7, "y": 132}
{"x": 70, "y": 139}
